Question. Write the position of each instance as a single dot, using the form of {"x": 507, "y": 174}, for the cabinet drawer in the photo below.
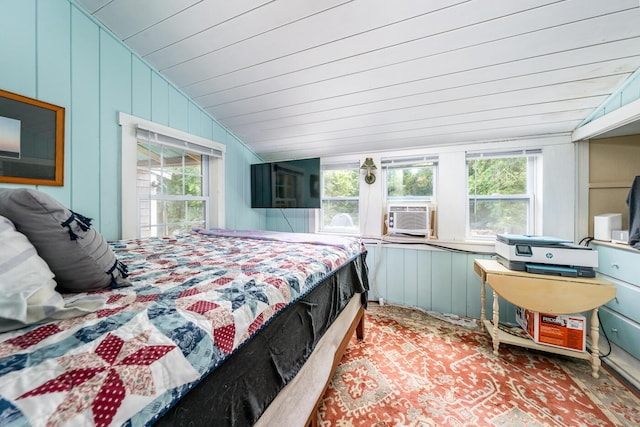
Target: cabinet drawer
{"x": 627, "y": 300}
{"x": 621, "y": 331}
{"x": 619, "y": 264}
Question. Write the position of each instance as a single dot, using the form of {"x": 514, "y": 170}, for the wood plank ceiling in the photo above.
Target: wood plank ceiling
{"x": 305, "y": 78}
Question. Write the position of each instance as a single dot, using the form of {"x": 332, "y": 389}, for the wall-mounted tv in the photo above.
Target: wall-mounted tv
{"x": 286, "y": 184}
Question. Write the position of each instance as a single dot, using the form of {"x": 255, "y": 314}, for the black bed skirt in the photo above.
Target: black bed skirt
{"x": 239, "y": 391}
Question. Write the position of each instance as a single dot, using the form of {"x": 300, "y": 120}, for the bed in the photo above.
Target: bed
{"x": 215, "y": 327}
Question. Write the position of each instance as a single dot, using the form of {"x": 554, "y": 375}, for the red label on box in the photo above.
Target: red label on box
{"x": 559, "y": 330}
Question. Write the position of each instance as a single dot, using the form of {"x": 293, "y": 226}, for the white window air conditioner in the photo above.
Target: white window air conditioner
{"x": 408, "y": 219}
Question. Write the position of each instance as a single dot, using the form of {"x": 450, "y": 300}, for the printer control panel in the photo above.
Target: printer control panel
{"x": 523, "y": 250}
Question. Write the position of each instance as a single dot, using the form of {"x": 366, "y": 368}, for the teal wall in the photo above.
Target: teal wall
{"x": 296, "y": 220}
{"x": 432, "y": 280}
{"x": 52, "y": 51}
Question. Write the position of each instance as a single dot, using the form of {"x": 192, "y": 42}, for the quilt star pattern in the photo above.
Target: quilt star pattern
{"x": 195, "y": 299}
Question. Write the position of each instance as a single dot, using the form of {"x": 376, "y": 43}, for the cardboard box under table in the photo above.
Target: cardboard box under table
{"x": 558, "y": 330}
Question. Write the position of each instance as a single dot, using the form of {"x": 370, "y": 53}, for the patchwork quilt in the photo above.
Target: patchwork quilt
{"x": 195, "y": 300}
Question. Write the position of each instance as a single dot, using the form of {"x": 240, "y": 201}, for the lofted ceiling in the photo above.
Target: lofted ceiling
{"x": 306, "y": 78}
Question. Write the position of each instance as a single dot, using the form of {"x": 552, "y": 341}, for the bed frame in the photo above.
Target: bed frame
{"x": 313, "y": 379}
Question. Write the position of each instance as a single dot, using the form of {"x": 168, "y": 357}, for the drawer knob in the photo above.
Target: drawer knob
{"x": 614, "y": 330}
{"x": 616, "y": 266}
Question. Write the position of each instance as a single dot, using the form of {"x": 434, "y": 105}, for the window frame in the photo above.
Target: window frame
{"x": 131, "y": 129}
{"x": 533, "y": 189}
{"x": 356, "y": 230}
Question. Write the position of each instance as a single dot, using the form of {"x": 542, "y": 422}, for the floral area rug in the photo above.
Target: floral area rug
{"x": 413, "y": 369}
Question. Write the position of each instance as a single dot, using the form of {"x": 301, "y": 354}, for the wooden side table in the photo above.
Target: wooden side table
{"x": 545, "y": 294}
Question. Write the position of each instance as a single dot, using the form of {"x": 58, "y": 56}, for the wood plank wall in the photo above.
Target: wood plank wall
{"x": 55, "y": 52}
{"x": 432, "y": 280}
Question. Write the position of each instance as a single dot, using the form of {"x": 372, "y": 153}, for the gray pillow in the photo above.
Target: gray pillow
{"x": 77, "y": 254}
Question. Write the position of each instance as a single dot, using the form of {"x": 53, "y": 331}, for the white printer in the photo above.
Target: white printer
{"x": 545, "y": 255}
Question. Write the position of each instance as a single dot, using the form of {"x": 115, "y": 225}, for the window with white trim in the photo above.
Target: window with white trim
{"x": 171, "y": 180}
{"x": 340, "y": 186}
{"x": 502, "y": 193}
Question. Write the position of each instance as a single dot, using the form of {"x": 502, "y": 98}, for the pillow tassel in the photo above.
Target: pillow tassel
{"x": 83, "y": 221}
{"x": 122, "y": 268}
{"x": 67, "y": 223}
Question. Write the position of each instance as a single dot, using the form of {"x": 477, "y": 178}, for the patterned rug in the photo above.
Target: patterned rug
{"x": 413, "y": 369}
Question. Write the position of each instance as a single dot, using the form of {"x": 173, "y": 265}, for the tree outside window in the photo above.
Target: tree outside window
{"x": 170, "y": 190}
{"x": 412, "y": 182}
{"x": 500, "y": 196}
{"x": 340, "y": 199}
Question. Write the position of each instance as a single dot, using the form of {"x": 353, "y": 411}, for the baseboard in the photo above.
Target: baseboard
{"x": 623, "y": 364}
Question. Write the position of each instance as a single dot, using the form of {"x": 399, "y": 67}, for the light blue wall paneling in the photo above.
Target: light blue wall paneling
{"x": 432, "y": 280}
{"x": 140, "y": 89}
{"x": 178, "y": 110}
{"x": 159, "y": 99}
{"x": 18, "y": 47}
{"x": 84, "y": 132}
{"x": 238, "y": 212}
{"x": 441, "y": 289}
{"x": 196, "y": 124}
{"x": 296, "y": 220}
{"x": 425, "y": 281}
{"x": 53, "y": 51}
{"x": 115, "y": 96}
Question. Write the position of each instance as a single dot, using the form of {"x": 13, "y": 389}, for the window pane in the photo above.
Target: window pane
{"x": 498, "y": 176}
{"x": 340, "y": 214}
{"x": 499, "y": 198}
{"x": 193, "y": 180}
{"x": 143, "y": 182}
{"x": 340, "y": 183}
{"x": 490, "y": 217}
{"x": 410, "y": 182}
{"x": 340, "y": 192}
{"x": 168, "y": 180}
{"x": 195, "y": 212}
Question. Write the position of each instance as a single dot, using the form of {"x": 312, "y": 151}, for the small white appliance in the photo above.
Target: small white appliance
{"x": 604, "y": 224}
{"x": 620, "y": 236}
{"x": 408, "y": 219}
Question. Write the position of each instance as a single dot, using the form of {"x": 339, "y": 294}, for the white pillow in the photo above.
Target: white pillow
{"x": 27, "y": 287}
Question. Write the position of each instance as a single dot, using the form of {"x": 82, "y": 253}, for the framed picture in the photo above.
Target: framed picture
{"x": 31, "y": 141}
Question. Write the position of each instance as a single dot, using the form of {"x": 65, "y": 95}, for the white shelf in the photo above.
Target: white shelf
{"x": 506, "y": 338}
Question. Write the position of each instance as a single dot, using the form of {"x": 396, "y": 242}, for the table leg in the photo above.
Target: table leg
{"x": 595, "y": 336}
{"x": 483, "y": 297}
{"x": 496, "y": 318}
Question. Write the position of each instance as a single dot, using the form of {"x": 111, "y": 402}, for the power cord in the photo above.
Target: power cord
{"x": 602, "y": 356}
{"x": 286, "y": 219}
{"x": 586, "y": 241}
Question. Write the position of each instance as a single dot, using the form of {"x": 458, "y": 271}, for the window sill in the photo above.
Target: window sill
{"x": 422, "y": 243}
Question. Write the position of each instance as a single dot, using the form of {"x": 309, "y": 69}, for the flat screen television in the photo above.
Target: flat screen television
{"x": 286, "y": 184}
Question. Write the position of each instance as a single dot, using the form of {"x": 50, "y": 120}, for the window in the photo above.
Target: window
{"x": 171, "y": 180}
{"x": 501, "y": 193}
{"x": 340, "y": 198}
{"x": 172, "y": 190}
{"x": 410, "y": 179}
